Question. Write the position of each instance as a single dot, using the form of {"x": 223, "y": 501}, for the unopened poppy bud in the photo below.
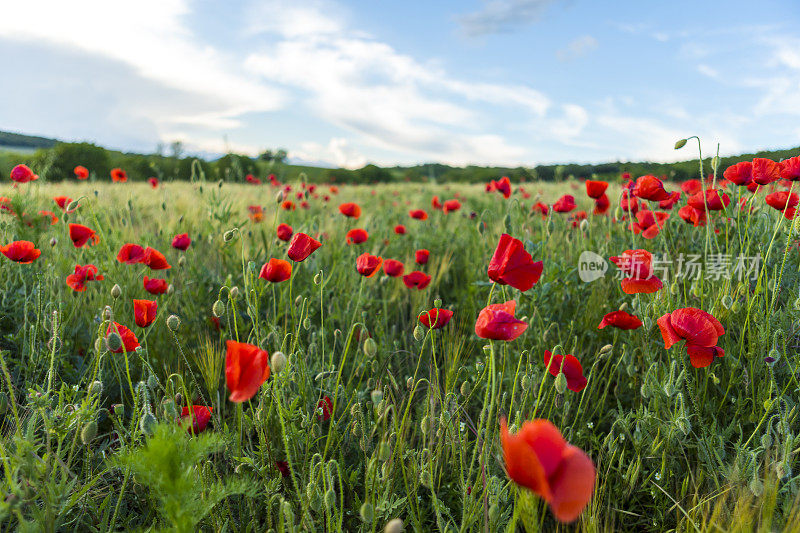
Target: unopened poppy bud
{"x": 366, "y": 513}
{"x": 229, "y": 235}
{"x": 73, "y": 205}
{"x": 170, "y": 409}
{"x": 148, "y": 424}
{"x": 607, "y": 348}
{"x": 173, "y": 322}
{"x": 465, "y": 389}
{"x": 89, "y": 432}
{"x": 279, "y": 197}
{"x": 766, "y": 440}
{"x": 418, "y": 333}
{"x": 277, "y": 362}
{"x": 116, "y": 291}
{"x": 507, "y": 223}
{"x": 561, "y": 383}
{"x": 584, "y": 224}
{"x": 307, "y": 323}
{"x": 494, "y": 513}
{"x": 756, "y": 486}
{"x": 53, "y": 241}
{"x": 318, "y": 278}
{"x": 525, "y": 382}
{"x": 481, "y": 227}
{"x": 394, "y": 526}
{"x": 171, "y": 289}
{"x": 118, "y": 409}
{"x": 618, "y": 213}
{"x": 152, "y": 381}
{"x": 370, "y": 347}
{"x": 487, "y": 349}
{"x": 234, "y": 292}
{"x": 218, "y": 308}
{"x": 773, "y": 356}
{"x": 182, "y": 261}
{"x": 298, "y": 301}
{"x": 410, "y": 383}
{"x": 330, "y": 499}
{"x": 114, "y": 342}
{"x": 95, "y": 388}
{"x": 108, "y": 313}
{"x": 376, "y": 396}
{"x": 680, "y": 144}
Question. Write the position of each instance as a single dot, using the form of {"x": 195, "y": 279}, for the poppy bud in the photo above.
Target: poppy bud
{"x": 561, "y": 383}
{"x": 773, "y": 356}
{"x": 170, "y": 409}
{"x": 96, "y": 388}
{"x": 218, "y": 308}
{"x": 119, "y": 410}
{"x": 307, "y": 324}
{"x": 148, "y": 424}
{"x": 607, "y": 348}
{"x": 410, "y": 383}
{"x": 330, "y": 499}
{"x": 108, "y": 313}
{"x": 277, "y": 362}
{"x": 318, "y": 278}
{"x": 114, "y": 342}
{"x": 418, "y": 333}
{"x": 680, "y": 144}
{"x": 152, "y": 381}
{"x": 766, "y": 440}
{"x": 182, "y": 261}
{"x": 279, "y": 197}
{"x": 116, "y": 291}
{"x": 53, "y": 241}
{"x": 171, "y": 289}
{"x": 525, "y": 382}
{"x": 376, "y": 396}
{"x": 229, "y": 235}
{"x": 234, "y": 292}
{"x": 624, "y": 306}
{"x": 487, "y": 349}
{"x": 370, "y": 347}
{"x": 394, "y": 526}
{"x": 173, "y": 322}
{"x": 366, "y": 513}
{"x": 465, "y": 389}
{"x": 298, "y": 301}
{"x": 584, "y": 224}
{"x": 89, "y": 432}
{"x": 674, "y": 289}
{"x": 494, "y": 513}
{"x": 756, "y": 486}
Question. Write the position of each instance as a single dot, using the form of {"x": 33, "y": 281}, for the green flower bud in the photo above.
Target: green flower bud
{"x": 89, "y": 432}
{"x": 318, "y": 278}
{"x": 277, "y": 362}
{"x": 234, "y": 292}
{"x": 114, "y": 342}
{"x": 229, "y": 235}
{"x": 418, "y": 333}
{"x": 148, "y": 424}
{"x": 173, "y": 322}
{"x": 394, "y": 526}
{"x": 525, "y": 383}
{"x": 366, "y": 513}
{"x": 73, "y": 205}
{"x": 561, "y": 383}
{"x": 584, "y": 225}
{"x": 377, "y": 396}
{"x": 218, "y": 309}
{"x": 465, "y": 388}
{"x": 119, "y": 410}
{"x": 95, "y": 388}
{"x": 116, "y": 291}
{"x": 680, "y": 144}
{"x": 182, "y": 261}
{"x": 330, "y": 499}
{"x": 370, "y": 347}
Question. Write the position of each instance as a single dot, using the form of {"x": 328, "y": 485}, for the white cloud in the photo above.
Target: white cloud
{"x": 503, "y": 15}
{"x": 576, "y": 48}
{"x": 338, "y": 151}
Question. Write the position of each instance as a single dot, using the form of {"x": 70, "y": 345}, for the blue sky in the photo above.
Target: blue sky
{"x": 348, "y": 82}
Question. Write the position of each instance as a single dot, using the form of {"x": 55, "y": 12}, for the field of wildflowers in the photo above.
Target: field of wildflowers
{"x": 308, "y": 357}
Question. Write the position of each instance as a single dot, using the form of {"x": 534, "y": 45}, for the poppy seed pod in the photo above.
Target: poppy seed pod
{"x": 437, "y": 302}
{"x": 394, "y": 526}
{"x": 116, "y": 291}
{"x": 148, "y": 424}
{"x": 89, "y": 432}
{"x": 278, "y": 362}
{"x": 173, "y": 322}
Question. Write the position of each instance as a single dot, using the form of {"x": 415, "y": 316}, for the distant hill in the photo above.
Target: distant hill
{"x": 10, "y": 140}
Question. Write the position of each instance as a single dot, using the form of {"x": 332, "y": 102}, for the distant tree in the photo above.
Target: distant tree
{"x": 61, "y": 160}
{"x": 176, "y": 149}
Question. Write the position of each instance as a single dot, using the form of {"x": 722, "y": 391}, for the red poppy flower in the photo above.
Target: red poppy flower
{"x": 649, "y": 224}
{"x": 790, "y": 168}
{"x": 497, "y": 322}
{"x": 49, "y": 214}
{"x": 81, "y": 234}
{"x": 81, "y": 172}
{"x": 246, "y": 369}
{"x": 252, "y": 180}
{"x": 512, "y": 265}
{"x": 130, "y": 254}
{"x": 144, "y": 312}
{"x": 368, "y": 265}
{"x": 302, "y": 246}
{"x": 201, "y": 416}
{"x": 650, "y": 188}
{"x": 596, "y": 188}
{"x": 393, "y": 268}
{"x": 691, "y": 187}
{"x": 637, "y": 265}
{"x": 256, "y": 213}
{"x": 283, "y": 468}
{"x": 451, "y": 205}
{"x": 692, "y": 216}
{"x": 674, "y": 198}
{"x": 288, "y": 205}
{"x": 417, "y": 280}
{"x": 153, "y": 181}
{"x": 620, "y": 320}
{"x": 436, "y": 318}
{"x": 5, "y": 205}
{"x": 118, "y": 175}
{"x": 418, "y": 214}
{"x": 699, "y": 329}
{"x": 421, "y": 256}
{"x": 350, "y": 209}
{"x": 23, "y": 174}
{"x": 129, "y": 340}
{"x": 155, "y": 285}
{"x": 356, "y": 236}
{"x": 738, "y": 174}
{"x": 783, "y": 202}
{"x": 765, "y": 171}
{"x": 541, "y": 208}
{"x": 503, "y": 186}
{"x": 276, "y": 270}
{"x": 155, "y": 259}
{"x": 601, "y": 205}
{"x": 629, "y": 203}
{"x": 400, "y": 229}
{"x": 435, "y": 203}
{"x": 324, "y": 409}
{"x": 570, "y": 366}
{"x": 181, "y": 242}
{"x": 62, "y": 202}
{"x": 538, "y": 458}
{"x": 714, "y": 201}
{"x": 565, "y": 204}
{"x": 284, "y": 232}
{"x": 77, "y": 280}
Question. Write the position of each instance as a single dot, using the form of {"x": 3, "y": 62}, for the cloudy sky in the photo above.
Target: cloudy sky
{"x": 457, "y": 81}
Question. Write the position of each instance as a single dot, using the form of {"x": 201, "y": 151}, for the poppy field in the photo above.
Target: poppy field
{"x": 614, "y": 354}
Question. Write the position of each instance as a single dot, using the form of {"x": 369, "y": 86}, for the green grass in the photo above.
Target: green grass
{"x": 414, "y": 431}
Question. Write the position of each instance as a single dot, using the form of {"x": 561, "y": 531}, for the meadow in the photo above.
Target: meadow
{"x": 318, "y": 400}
